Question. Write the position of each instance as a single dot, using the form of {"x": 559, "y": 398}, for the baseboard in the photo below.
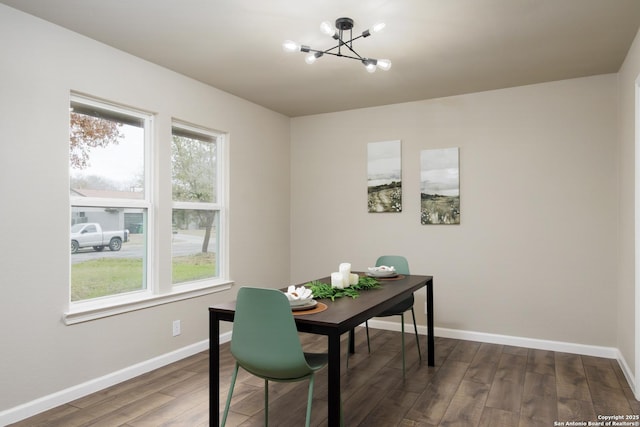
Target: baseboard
{"x": 70, "y": 394}
{"x": 560, "y": 346}
{"x": 587, "y": 350}
{"x": 628, "y": 373}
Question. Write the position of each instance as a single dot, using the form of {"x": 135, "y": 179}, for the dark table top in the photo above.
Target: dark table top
{"x": 345, "y": 313}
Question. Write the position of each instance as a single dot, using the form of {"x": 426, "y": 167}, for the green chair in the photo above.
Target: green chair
{"x": 402, "y": 267}
{"x": 265, "y": 343}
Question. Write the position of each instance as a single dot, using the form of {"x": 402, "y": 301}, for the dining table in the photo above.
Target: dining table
{"x": 341, "y": 316}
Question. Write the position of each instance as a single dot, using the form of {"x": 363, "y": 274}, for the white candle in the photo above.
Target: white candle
{"x": 353, "y": 279}
{"x": 337, "y": 280}
{"x": 345, "y": 269}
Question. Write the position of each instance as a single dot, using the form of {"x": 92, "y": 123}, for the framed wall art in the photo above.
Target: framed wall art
{"x": 439, "y": 186}
{"x": 384, "y": 177}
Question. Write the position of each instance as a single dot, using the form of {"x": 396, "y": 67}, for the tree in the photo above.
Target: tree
{"x": 86, "y": 132}
{"x": 94, "y": 181}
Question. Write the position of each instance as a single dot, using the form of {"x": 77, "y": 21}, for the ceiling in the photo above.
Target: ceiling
{"x": 438, "y": 47}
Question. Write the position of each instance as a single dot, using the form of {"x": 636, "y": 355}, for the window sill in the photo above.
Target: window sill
{"x": 85, "y": 312}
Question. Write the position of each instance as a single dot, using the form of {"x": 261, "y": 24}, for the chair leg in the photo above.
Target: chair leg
{"x": 347, "y": 358}
{"x": 228, "y": 404}
{"x": 415, "y": 329}
{"x": 266, "y": 403}
{"x": 310, "y": 400}
{"x": 403, "y": 363}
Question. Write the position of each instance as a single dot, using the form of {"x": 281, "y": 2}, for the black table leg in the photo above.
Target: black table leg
{"x": 430, "y": 338}
{"x": 334, "y": 380}
{"x": 214, "y": 370}
{"x": 352, "y": 342}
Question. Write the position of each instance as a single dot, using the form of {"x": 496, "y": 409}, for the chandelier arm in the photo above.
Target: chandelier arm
{"x": 348, "y": 45}
{"x": 351, "y": 49}
{"x": 328, "y": 52}
{"x": 355, "y": 38}
{"x": 359, "y": 58}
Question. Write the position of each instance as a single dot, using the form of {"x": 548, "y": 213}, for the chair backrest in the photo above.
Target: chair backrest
{"x": 265, "y": 340}
{"x": 399, "y": 262}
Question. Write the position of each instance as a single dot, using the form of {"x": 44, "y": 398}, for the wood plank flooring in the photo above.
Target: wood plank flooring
{"x": 472, "y": 384}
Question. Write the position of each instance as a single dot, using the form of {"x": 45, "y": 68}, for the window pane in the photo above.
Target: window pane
{"x": 194, "y": 245}
{"x": 106, "y": 153}
{"x": 193, "y": 167}
{"x": 107, "y": 258}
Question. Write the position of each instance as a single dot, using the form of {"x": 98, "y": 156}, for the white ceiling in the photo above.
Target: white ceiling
{"x": 438, "y": 47}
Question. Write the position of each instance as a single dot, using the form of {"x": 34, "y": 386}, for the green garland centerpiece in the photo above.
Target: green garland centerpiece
{"x": 322, "y": 290}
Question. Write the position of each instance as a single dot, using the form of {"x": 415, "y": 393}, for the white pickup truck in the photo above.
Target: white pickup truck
{"x": 91, "y": 234}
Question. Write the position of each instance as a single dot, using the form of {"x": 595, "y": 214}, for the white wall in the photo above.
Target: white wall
{"x": 626, "y": 301}
{"x": 41, "y": 64}
{"x": 535, "y": 255}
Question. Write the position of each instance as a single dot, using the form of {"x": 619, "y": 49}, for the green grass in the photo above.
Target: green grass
{"x": 194, "y": 267}
{"x": 112, "y": 276}
{"x": 105, "y": 276}
{"x": 436, "y": 209}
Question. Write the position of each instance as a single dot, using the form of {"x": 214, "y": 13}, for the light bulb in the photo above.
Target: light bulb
{"x": 378, "y": 27}
{"x": 326, "y": 28}
{"x": 290, "y": 46}
{"x": 310, "y": 59}
{"x": 384, "y": 64}
{"x": 369, "y": 64}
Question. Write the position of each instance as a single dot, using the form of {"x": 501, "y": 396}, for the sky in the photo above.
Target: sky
{"x": 439, "y": 172}
{"x": 384, "y": 162}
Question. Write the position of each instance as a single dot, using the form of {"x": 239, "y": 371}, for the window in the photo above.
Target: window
{"x": 121, "y": 230}
{"x": 110, "y": 203}
{"x": 196, "y": 188}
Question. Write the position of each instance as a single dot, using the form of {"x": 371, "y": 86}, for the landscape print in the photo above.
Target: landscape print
{"x": 384, "y": 176}
{"x": 439, "y": 186}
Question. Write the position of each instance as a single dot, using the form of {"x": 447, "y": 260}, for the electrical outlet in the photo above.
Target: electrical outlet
{"x": 176, "y": 328}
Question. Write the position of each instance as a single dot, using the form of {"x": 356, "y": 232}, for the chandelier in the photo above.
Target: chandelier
{"x": 343, "y": 27}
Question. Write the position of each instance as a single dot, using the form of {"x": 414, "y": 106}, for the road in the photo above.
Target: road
{"x": 182, "y": 244}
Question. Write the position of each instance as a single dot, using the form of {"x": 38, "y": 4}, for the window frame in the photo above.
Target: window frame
{"x": 156, "y": 292}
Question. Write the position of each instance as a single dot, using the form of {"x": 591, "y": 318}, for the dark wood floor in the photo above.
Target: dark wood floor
{"x": 472, "y": 384}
